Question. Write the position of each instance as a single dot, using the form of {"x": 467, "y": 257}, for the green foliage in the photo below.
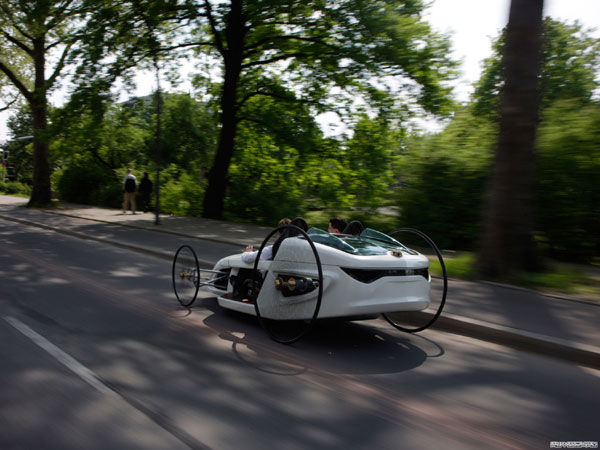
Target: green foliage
{"x": 15, "y": 188}
{"x": 568, "y": 215}
{"x": 570, "y": 63}
{"x": 181, "y": 193}
{"x": 264, "y": 182}
{"x": 189, "y": 131}
{"x": 559, "y": 278}
{"x": 460, "y": 265}
{"x": 368, "y": 157}
{"x": 20, "y": 125}
{"x": 88, "y": 183}
{"x": 446, "y": 173}
{"x": 113, "y": 139}
{"x": 324, "y": 181}
{"x": 444, "y": 177}
{"x": 37, "y": 41}
{"x": 563, "y": 278}
{"x": 125, "y": 134}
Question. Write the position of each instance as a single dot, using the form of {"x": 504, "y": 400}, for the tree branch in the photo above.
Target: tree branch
{"x": 18, "y": 43}
{"x": 213, "y": 26}
{"x": 274, "y": 59}
{"x": 9, "y": 104}
{"x": 264, "y": 94}
{"x": 257, "y": 44}
{"x": 59, "y": 66}
{"x": 58, "y": 15}
{"x": 94, "y": 152}
{"x": 16, "y": 82}
{"x": 187, "y": 44}
{"x": 13, "y": 23}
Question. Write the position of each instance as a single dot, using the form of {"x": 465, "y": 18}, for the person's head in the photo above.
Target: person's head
{"x": 128, "y": 171}
{"x": 337, "y": 225}
{"x": 284, "y": 221}
{"x": 145, "y": 174}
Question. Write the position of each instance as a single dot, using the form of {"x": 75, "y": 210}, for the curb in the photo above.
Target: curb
{"x": 585, "y": 355}
{"x": 582, "y": 354}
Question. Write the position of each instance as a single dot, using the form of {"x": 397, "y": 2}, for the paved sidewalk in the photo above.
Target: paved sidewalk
{"x": 560, "y": 327}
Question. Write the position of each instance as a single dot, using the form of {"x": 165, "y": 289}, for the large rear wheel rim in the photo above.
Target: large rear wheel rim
{"x": 255, "y": 293}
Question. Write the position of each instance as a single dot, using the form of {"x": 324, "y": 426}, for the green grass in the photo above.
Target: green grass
{"x": 567, "y": 279}
{"x": 562, "y": 278}
{"x": 459, "y": 265}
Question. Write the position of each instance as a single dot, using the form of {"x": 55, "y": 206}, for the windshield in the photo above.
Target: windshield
{"x": 370, "y": 242}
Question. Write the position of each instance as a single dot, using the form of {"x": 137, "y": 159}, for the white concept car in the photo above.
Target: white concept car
{"x": 315, "y": 275}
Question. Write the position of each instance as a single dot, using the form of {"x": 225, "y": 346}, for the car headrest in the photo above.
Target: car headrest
{"x": 354, "y": 228}
{"x": 289, "y": 232}
{"x": 300, "y": 223}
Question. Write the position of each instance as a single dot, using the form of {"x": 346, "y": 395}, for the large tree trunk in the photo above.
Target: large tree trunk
{"x": 217, "y": 179}
{"x": 41, "y": 193}
{"x": 233, "y": 57}
{"x": 507, "y": 241}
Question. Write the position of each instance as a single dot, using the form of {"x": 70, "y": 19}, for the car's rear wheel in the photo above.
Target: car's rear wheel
{"x": 185, "y": 275}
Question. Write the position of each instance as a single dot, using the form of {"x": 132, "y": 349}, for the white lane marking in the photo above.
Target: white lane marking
{"x": 64, "y": 358}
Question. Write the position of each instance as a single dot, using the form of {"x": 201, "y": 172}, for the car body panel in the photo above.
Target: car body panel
{"x": 396, "y": 288}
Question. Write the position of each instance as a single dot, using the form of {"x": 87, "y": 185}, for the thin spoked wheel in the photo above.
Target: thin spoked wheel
{"x": 285, "y": 320}
{"x": 400, "y": 319}
{"x": 185, "y": 273}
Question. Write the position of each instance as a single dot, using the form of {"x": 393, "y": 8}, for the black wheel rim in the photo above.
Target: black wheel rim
{"x": 444, "y": 277}
{"x": 185, "y": 275}
{"x": 264, "y": 322}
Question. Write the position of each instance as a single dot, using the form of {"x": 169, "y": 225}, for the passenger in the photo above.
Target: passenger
{"x": 249, "y": 255}
{"x": 337, "y": 225}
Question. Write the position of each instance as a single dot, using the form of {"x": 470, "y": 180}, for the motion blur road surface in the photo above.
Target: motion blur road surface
{"x": 97, "y": 354}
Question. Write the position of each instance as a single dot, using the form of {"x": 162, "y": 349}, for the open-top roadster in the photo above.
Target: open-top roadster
{"x": 316, "y": 275}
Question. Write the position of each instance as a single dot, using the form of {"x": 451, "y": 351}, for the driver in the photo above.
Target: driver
{"x": 337, "y": 225}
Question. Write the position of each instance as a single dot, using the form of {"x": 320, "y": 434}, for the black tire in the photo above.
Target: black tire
{"x": 416, "y": 329}
{"x": 269, "y": 325}
{"x": 185, "y": 275}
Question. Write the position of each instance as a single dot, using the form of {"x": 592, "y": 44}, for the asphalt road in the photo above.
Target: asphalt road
{"x": 96, "y": 353}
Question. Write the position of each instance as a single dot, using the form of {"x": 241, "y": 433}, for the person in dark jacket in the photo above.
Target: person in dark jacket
{"x": 146, "y": 191}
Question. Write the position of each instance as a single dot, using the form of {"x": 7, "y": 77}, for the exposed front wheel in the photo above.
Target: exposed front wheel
{"x": 402, "y": 320}
{"x": 185, "y": 274}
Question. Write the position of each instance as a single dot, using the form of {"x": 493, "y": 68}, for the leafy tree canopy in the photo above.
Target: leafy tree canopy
{"x": 569, "y": 70}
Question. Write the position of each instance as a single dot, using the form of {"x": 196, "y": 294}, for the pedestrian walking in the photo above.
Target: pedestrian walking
{"x": 129, "y": 189}
{"x": 146, "y": 191}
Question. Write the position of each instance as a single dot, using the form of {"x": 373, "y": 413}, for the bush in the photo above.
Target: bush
{"x": 568, "y": 192}
{"x": 15, "y": 188}
{"x": 445, "y": 179}
{"x": 90, "y": 184}
{"x": 181, "y": 193}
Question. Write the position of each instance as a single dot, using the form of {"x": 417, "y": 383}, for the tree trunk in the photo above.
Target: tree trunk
{"x": 217, "y": 179}
{"x": 41, "y": 193}
{"x": 507, "y": 241}
{"x": 233, "y": 58}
